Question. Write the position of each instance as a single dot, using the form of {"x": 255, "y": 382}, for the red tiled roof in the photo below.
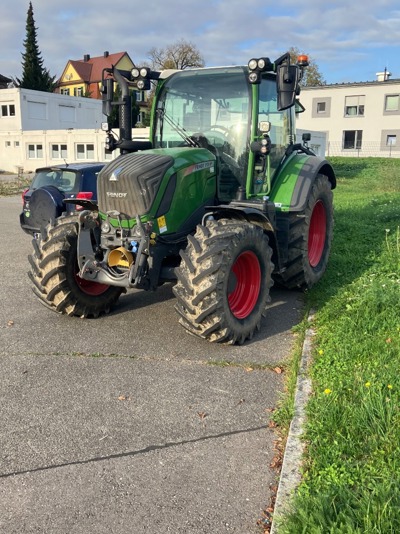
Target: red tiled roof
{"x": 90, "y": 70}
{"x": 83, "y": 69}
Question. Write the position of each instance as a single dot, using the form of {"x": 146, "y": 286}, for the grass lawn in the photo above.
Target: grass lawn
{"x": 351, "y": 479}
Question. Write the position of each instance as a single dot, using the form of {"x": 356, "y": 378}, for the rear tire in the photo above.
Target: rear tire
{"x": 310, "y": 237}
{"x": 224, "y": 280}
{"x": 54, "y": 273}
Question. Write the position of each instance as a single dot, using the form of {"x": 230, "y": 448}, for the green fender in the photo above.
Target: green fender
{"x": 294, "y": 180}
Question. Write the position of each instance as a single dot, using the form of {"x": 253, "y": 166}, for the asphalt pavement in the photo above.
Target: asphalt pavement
{"x": 125, "y": 423}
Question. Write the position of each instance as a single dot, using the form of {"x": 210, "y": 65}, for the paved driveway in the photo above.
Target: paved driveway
{"x": 126, "y": 424}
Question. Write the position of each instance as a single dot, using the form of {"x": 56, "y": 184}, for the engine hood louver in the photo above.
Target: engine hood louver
{"x": 130, "y": 183}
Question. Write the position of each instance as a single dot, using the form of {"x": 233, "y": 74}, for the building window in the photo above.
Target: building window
{"x": 37, "y": 110}
{"x": 84, "y": 151}
{"x": 139, "y": 96}
{"x": 67, "y": 113}
{"x": 391, "y": 140}
{"x": 65, "y": 91}
{"x": 16, "y": 144}
{"x": 352, "y": 139}
{"x": 59, "y": 151}
{"x": 354, "y": 106}
{"x": 78, "y": 91}
{"x": 7, "y": 110}
{"x": 8, "y": 144}
{"x": 392, "y": 102}
{"x": 107, "y": 155}
{"x": 35, "y": 151}
{"x": 321, "y": 107}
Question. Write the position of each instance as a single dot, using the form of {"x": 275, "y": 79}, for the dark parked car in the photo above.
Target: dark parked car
{"x": 43, "y": 201}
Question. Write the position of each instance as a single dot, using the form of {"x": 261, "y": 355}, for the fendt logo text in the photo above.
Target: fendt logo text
{"x": 116, "y": 195}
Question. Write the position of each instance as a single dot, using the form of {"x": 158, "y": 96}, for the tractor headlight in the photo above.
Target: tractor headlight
{"x": 144, "y": 72}
{"x": 135, "y": 73}
{"x": 254, "y": 77}
{"x": 252, "y": 64}
{"x": 261, "y": 63}
{"x": 105, "y": 227}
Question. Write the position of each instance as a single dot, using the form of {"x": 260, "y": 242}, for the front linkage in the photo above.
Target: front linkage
{"x": 117, "y": 266}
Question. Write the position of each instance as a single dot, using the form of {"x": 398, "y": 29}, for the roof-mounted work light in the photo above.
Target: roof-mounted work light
{"x": 257, "y": 66}
{"x": 141, "y": 77}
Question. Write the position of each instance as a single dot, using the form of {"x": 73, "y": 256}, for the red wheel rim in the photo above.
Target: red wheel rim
{"x": 90, "y": 288}
{"x": 317, "y": 234}
{"x": 246, "y": 277}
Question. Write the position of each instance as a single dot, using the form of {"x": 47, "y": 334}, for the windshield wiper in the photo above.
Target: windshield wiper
{"x": 179, "y": 129}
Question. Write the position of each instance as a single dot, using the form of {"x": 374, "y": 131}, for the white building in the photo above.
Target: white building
{"x": 359, "y": 118}
{"x": 38, "y": 129}
{"x": 25, "y": 109}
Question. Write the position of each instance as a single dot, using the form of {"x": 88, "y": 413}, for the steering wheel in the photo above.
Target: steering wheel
{"x": 218, "y": 128}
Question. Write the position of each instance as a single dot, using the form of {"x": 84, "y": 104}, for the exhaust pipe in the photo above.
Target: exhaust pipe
{"x": 120, "y": 257}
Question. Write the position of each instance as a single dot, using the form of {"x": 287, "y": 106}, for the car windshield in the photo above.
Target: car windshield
{"x": 211, "y": 105}
{"x": 66, "y": 181}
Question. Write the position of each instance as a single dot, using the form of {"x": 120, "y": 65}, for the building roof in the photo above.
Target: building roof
{"x": 394, "y": 81}
{"x": 90, "y": 69}
{"x": 4, "y": 81}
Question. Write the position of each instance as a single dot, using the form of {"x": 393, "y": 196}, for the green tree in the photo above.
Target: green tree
{"x": 34, "y": 74}
{"x": 180, "y": 55}
{"x": 312, "y": 75}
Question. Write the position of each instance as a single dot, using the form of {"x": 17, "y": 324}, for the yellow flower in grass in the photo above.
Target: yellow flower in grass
{"x": 367, "y": 384}
{"x": 327, "y": 391}
{"x": 390, "y": 386}
{"x": 320, "y": 352}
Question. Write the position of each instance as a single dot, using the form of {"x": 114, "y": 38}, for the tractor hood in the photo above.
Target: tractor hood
{"x": 131, "y": 183}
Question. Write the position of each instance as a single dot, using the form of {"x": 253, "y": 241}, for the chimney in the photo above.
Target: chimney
{"x": 106, "y": 53}
{"x": 86, "y": 57}
{"x": 383, "y": 76}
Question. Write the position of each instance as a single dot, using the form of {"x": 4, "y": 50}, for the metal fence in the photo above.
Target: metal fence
{"x": 367, "y": 150}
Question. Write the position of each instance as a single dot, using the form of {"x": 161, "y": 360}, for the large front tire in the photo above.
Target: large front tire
{"x": 224, "y": 280}
{"x": 54, "y": 273}
{"x": 310, "y": 237}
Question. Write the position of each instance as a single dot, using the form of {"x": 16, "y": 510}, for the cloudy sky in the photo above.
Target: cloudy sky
{"x": 350, "y": 41}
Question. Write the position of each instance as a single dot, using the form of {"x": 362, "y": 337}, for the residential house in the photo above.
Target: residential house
{"x": 361, "y": 119}
{"x": 83, "y": 77}
{"x": 4, "y": 81}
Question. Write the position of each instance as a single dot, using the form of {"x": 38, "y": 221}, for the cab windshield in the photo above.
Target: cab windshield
{"x": 210, "y": 109}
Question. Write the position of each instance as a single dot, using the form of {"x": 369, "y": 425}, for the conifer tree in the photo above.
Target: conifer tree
{"x": 34, "y": 74}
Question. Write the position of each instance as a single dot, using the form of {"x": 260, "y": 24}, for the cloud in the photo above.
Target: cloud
{"x": 341, "y": 37}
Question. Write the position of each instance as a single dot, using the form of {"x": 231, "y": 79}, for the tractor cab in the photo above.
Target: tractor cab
{"x": 220, "y": 110}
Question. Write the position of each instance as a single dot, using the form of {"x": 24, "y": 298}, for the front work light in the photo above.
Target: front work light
{"x": 257, "y": 66}
{"x": 252, "y": 64}
{"x": 254, "y": 77}
{"x": 144, "y": 72}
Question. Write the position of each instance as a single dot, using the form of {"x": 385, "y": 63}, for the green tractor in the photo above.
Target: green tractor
{"x": 221, "y": 201}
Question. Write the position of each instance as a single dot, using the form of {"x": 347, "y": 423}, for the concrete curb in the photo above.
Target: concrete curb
{"x": 290, "y": 476}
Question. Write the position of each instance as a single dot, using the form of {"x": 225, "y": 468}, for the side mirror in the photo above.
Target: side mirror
{"x": 287, "y": 85}
{"x": 108, "y": 95}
